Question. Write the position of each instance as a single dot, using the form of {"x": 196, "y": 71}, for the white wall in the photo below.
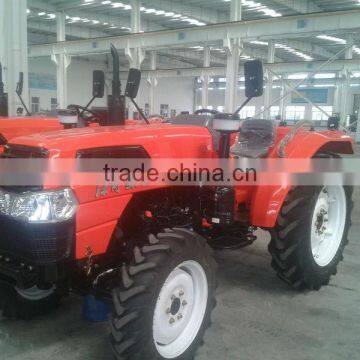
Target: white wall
{"x": 217, "y": 98}
{"x": 79, "y": 81}
{"x": 177, "y": 93}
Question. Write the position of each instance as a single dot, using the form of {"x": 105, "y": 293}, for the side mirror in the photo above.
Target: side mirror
{"x": 20, "y": 84}
{"x": 133, "y": 83}
{"x": 254, "y": 78}
{"x": 98, "y": 84}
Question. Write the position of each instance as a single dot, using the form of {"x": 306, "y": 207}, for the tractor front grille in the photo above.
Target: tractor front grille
{"x": 40, "y": 244}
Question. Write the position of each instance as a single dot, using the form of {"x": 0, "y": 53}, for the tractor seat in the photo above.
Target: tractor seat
{"x": 255, "y": 139}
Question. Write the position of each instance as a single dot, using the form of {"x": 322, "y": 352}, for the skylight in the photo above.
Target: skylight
{"x": 259, "y": 7}
{"x": 285, "y": 48}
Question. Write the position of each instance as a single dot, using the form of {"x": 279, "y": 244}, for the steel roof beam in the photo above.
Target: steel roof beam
{"x": 279, "y": 28}
{"x": 279, "y": 68}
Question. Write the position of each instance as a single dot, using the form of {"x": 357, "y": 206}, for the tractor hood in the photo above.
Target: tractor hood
{"x": 159, "y": 140}
{"x": 19, "y": 126}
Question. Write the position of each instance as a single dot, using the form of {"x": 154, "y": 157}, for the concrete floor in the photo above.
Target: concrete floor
{"x": 257, "y": 317}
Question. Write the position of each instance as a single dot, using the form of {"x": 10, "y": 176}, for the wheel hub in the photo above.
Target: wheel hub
{"x": 328, "y": 224}
{"x": 180, "y": 308}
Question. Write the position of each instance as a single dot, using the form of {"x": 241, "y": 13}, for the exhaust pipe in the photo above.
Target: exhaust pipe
{"x": 116, "y": 101}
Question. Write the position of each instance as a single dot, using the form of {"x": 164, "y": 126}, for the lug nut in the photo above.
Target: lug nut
{"x": 172, "y": 320}
{"x": 172, "y": 297}
{"x": 181, "y": 293}
{"x": 179, "y": 316}
{"x": 184, "y": 303}
{"x": 168, "y": 310}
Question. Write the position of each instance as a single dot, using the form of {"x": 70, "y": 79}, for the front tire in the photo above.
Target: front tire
{"x": 164, "y": 302}
{"x": 25, "y": 304}
{"x": 310, "y": 235}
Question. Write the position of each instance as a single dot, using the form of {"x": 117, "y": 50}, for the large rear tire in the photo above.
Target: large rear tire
{"x": 310, "y": 235}
{"x": 164, "y": 302}
{"x": 25, "y": 304}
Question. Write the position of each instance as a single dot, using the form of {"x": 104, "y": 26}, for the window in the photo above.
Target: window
{"x": 295, "y": 112}
{"x": 220, "y": 108}
{"x": 147, "y": 109}
{"x": 164, "y": 110}
{"x": 318, "y": 115}
{"x": 247, "y": 111}
{"x": 35, "y": 104}
{"x": 274, "y": 112}
{"x": 53, "y": 104}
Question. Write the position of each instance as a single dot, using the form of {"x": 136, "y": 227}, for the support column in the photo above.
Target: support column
{"x": 62, "y": 62}
{"x": 345, "y": 86}
{"x": 14, "y": 50}
{"x": 235, "y": 10}
{"x": 152, "y": 80}
{"x": 135, "y": 56}
{"x": 205, "y": 79}
{"x": 282, "y": 109}
{"x": 357, "y": 136}
{"x": 233, "y": 50}
{"x": 270, "y": 80}
{"x": 135, "y": 16}
{"x": 337, "y": 91}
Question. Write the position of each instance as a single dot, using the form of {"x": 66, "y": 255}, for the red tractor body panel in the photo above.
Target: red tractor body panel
{"x": 20, "y": 126}
{"x": 96, "y": 217}
{"x": 266, "y": 201}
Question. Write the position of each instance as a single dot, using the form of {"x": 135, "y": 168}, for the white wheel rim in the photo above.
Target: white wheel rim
{"x": 328, "y": 224}
{"x": 180, "y": 309}
{"x": 34, "y": 293}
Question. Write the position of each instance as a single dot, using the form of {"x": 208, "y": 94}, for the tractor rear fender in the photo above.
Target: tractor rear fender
{"x": 267, "y": 201}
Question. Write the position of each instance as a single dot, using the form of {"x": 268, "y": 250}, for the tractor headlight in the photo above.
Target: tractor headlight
{"x": 40, "y": 206}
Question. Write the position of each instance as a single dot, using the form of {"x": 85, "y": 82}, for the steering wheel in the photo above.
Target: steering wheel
{"x": 206, "y": 111}
{"x": 81, "y": 110}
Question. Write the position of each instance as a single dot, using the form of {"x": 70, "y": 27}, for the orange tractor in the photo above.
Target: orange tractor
{"x": 146, "y": 250}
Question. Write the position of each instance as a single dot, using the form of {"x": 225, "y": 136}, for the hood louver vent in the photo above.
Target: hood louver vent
{"x": 25, "y": 152}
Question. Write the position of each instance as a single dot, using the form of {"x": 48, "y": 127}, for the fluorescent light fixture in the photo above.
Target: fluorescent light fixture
{"x": 332, "y": 38}
{"x": 28, "y": 11}
{"x": 259, "y": 7}
{"x": 257, "y": 42}
{"x": 42, "y": 13}
{"x": 285, "y": 48}
{"x": 325, "y": 76}
{"x": 356, "y": 50}
{"x": 324, "y": 85}
{"x": 174, "y": 16}
{"x": 117, "y": 4}
{"x": 298, "y": 76}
